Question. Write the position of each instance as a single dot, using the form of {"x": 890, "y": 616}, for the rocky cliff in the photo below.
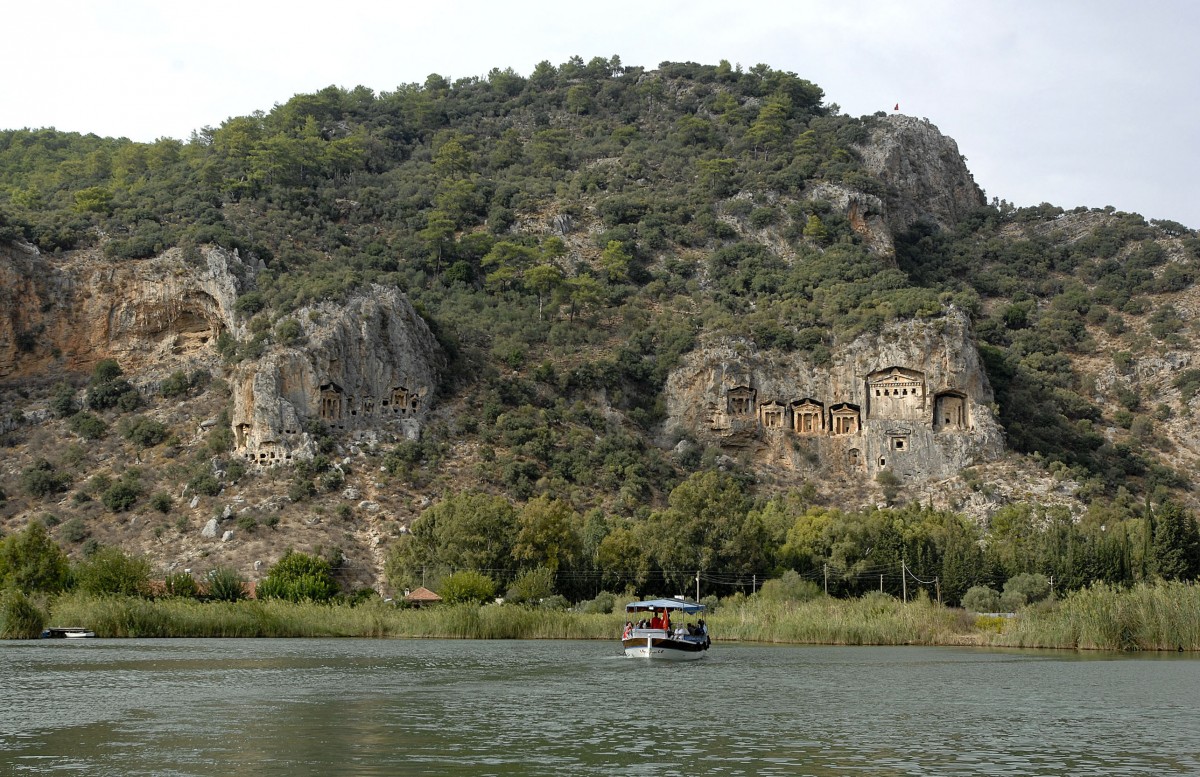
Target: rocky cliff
{"x": 62, "y": 315}
{"x": 367, "y": 368}
{"x": 926, "y": 177}
{"x": 912, "y": 400}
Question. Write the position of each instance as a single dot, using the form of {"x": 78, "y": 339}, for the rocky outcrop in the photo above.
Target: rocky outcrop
{"x": 64, "y": 315}
{"x": 912, "y": 400}
{"x": 926, "y": 177}
{"x": 366, "y": 368}
{"x": 863, "y": 211}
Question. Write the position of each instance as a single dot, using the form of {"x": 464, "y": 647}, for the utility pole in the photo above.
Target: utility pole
{"x": 937, "y": 583}
{"x": 881, "y": 583}
{"x": 904, "y": 580}
{"x": 754, "y": 584}
{"x": 697, "y": 585}
{"x": 825, "y": 567}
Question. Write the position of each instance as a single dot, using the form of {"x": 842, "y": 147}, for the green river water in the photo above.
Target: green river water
{"x": 436, "y": 707}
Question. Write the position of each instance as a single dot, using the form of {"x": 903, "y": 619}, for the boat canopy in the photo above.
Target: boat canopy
{"x": 665, "y": 604}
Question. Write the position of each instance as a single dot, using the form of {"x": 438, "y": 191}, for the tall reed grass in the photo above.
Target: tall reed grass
{"x": 871, "y": 620}
{"x": 1162, "y": 616}
{"x": 1159, "y": 616}
{"x": 116, "y": 616}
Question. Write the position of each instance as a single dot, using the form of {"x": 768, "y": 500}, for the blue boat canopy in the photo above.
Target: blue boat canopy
{"x": 665, "y": 604}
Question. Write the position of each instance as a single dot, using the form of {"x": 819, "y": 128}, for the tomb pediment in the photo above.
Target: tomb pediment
{"x": 896, "y": 381}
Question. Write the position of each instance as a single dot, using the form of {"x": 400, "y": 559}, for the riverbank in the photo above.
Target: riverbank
{"x": 1164, "y": 616}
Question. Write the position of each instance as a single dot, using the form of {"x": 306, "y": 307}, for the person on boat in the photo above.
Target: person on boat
{"x": 628, "y": 630}
{"x": 659, "y": 621}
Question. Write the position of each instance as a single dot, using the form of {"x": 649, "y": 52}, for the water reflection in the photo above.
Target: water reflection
{"x": 241, "y": 707}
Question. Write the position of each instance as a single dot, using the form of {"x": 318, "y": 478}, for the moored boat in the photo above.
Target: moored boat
{"x": 658, "y": 637}
{"x": 67, "y": 632}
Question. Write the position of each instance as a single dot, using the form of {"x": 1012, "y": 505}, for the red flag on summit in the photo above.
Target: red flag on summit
{"x": 897, "y": 107}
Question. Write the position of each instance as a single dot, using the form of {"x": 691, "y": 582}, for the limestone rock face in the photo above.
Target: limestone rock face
{"x": 926, "y": 177}
{"x": 864, "y": 212}
{"x": 66, "y": 314}
{"x": 912, "y": 399}
{"x": 367, "y": 368}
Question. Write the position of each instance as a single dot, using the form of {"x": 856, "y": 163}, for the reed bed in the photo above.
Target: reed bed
{"x": 871, "y": 620}
{"x": 119, "y": 616}
{"x": 1161, "y": 616}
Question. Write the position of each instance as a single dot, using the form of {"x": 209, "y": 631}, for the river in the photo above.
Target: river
{"x": 436, "y": 707}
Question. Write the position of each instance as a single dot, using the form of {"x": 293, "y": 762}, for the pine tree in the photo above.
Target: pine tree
{"x": 1176, "y": 545}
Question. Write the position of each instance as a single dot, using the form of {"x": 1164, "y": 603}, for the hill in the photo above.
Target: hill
{"x": 613, "y": 322}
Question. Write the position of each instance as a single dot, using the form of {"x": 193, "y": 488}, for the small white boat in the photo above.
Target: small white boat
{"x": 67, "y": 632}
{"x": 658, "y": 637}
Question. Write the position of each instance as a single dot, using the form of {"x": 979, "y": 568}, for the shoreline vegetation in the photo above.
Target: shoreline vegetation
{"x": 1164, "y": 616}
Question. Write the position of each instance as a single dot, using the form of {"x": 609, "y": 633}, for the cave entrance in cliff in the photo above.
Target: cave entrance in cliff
{"x": 193, "y": 325}
{"x": 950, "y": 410}
{"x": 844, "y": 419}
{"x": 239, "y": 434}
{"x": 808, "y": 417}
{"x": 741, "y": 400}
{"x": 772, "y": 414}
{"x": 854, "y": 458}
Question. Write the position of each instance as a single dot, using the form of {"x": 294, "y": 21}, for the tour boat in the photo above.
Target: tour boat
{"x": 651, "y": 633}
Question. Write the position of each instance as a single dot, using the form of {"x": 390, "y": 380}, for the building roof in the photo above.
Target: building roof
{"x": 422, "y": 594}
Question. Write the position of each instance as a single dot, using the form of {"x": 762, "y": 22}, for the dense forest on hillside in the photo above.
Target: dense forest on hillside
{"x": 578, "y": 230}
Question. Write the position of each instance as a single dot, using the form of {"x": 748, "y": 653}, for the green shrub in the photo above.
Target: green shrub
{"x": 180, "y": 585}
{"x": 301, "y": 488}
{"x": 225, "y": 585}
{"x": 604, "y": 603}
{"x": 111, "y": 571}
{"x": 108, "y": 389}
{"x": 176, "y": 385}
{"x": 161, "y": 501}
{"x": 40, "y": 479}
{"x": 144, "y": 432}
{"x": 531, "y": 586}
{"x": 205, "y": 483}
{"x": 1031, "y": 586}
{"x": 63, "y": 403}
{"x": 19, "y": 618}
{"x": 121, "y": 496}
{"x": 288, "y": 331}
{"x": 74, "y": 530}
{"x": 30, "y": 561}
{"x": 790, "y": 587}
{"x": 87, "y": 425}
{"x": 299, "y": 577}
{"x": 467, "y": 586}
{"x": 981, "y": 598}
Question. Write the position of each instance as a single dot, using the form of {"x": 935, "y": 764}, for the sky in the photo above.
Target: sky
{"x": 1070, "y": 102}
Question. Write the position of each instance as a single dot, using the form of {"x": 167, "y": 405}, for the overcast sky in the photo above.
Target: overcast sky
{"x": 1077, "y": 102}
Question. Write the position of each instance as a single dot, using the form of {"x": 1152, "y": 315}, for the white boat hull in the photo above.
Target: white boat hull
{"x": 657, "y": 645}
